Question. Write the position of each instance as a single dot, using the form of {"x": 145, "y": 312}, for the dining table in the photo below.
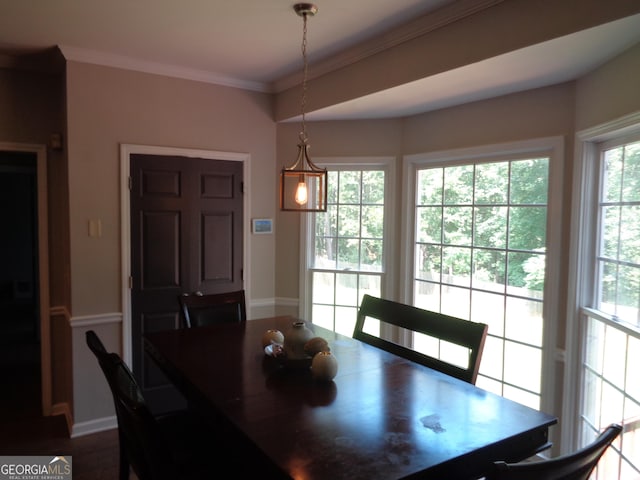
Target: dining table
{"x": 381, "y": 416}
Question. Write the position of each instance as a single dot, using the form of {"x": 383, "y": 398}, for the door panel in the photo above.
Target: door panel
{"x": 217, "y": 262}
{"x": 160, "y": 260}
{"x": 186, "y": 235}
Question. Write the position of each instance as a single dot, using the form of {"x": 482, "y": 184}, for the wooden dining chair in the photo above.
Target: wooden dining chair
{"x": 199, "y": 310}
{"x": 104, "y": 360}
{"x": 575, "y": 466}
{"x": 178, "y": 445}
{"x": 463, "y": 333}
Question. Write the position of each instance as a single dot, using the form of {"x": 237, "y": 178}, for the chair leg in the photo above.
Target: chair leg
{"x": 124, "y": 465}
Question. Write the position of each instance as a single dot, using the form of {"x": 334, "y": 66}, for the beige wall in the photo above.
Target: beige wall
{"x": 32, "y": 108}
{"x": 29, "y": 101}
{"x": 107, "y": 107}
{"x": 609, "y": 92}
{"x": 531, "y": 114}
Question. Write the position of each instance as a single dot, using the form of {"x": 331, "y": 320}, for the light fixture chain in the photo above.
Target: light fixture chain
{"x": 303, "y": 103}
{"x": 303, "y": 185}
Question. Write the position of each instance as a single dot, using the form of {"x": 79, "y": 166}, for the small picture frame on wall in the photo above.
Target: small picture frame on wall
{"x": 262, "y": 226}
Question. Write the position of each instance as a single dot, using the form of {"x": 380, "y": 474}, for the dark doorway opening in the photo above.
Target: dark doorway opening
{"x": 19, "y": 282}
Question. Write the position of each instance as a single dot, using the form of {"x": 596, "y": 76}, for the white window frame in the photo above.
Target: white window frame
{"x": 306, "y": 252}
{"x": 552, "y": 147}
{"x": 581, "y": 266}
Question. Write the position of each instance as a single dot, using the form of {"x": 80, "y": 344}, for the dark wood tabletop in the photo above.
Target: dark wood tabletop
{"x": 382, "y": 417}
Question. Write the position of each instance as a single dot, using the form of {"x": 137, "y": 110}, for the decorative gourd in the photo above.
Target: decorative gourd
{"x": 324, "y": 366}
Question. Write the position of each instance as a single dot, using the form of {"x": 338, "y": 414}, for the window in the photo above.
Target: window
{"x": 618, "y": 251}
{"x": 347, "y": 245}
{"x": 481, "y": 251}
{"x": 610, "y": 304}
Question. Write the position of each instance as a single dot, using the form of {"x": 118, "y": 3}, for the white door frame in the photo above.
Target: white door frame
{"x": 126, "y": 150}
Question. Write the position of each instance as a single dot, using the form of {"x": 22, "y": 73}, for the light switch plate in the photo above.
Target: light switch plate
{"x": 95, "y": 228}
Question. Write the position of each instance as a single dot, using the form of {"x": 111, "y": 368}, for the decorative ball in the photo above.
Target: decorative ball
{"x": 272, "y": 336}
{"x": 324, "y": 366}
{"x": 316, "y": 345}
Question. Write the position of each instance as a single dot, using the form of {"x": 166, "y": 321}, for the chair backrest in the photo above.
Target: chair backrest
{"x": 464, "y": 333}
{"x": 574, "y": 466}
{"x": 138, "y": 430}
{"x": 199, "y": 310}
{"x": 97, "y": 347}
{"x": 95, "y": 344}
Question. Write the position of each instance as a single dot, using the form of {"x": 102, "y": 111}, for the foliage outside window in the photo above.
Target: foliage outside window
{"x": 480, "y": 254}
{"x": 618, "y": 257}
{"x": 348, "y": 247}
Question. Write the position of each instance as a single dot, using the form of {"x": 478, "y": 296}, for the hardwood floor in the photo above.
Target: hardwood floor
{"x": 24, "y": 431}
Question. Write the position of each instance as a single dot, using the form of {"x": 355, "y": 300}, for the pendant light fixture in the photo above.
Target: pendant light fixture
{"x": 303, "y": 185}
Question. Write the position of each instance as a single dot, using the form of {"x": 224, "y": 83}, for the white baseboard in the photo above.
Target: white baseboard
{"x": 287, "y": 302}
{"x": 94, "y": 426}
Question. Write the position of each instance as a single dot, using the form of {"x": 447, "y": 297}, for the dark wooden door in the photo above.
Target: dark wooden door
{"x": 186, "y": 236}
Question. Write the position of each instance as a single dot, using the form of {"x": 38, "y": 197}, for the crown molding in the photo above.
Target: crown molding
{"x": 394, "y": 37}
{"x": 128, "y": 63}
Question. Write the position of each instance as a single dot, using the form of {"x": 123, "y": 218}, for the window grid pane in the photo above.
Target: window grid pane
{"x": 611, "y": 394}
{"x": 618, "y": 255}
{"x": 337, "y": 295}
{"x": 348, "y": 258}
{"x": 480, "y": 252}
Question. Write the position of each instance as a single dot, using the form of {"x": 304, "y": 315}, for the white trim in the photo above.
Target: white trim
{"x": 492, "y": 151}
{"x": 581, "y": 250}
{"x": 262, "y": 302}
{"x": 93, "y": 320}
{"x": 554, "y": 148}
{"x": 616, "y": 128}
{"x": 579, "y": 267}
{"x": 304, "y": 284}
{"x": 94, "y": 426}
{"x": 625, "y": 328}
{"x": 84, "y": 55}
{"x": 43, "y": 265}
{"x": 386, "y": 163}
{"x": 126, "y": 150}
{"x": 287, "y": 302}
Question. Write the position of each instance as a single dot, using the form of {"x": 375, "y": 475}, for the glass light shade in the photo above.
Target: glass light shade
{"x": 303, "y": 186}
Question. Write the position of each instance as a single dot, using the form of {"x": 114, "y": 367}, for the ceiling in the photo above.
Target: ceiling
{"x": 256, "y": 44}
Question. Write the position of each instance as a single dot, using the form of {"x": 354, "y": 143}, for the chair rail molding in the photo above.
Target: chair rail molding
{"x": 97, "y": 319}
